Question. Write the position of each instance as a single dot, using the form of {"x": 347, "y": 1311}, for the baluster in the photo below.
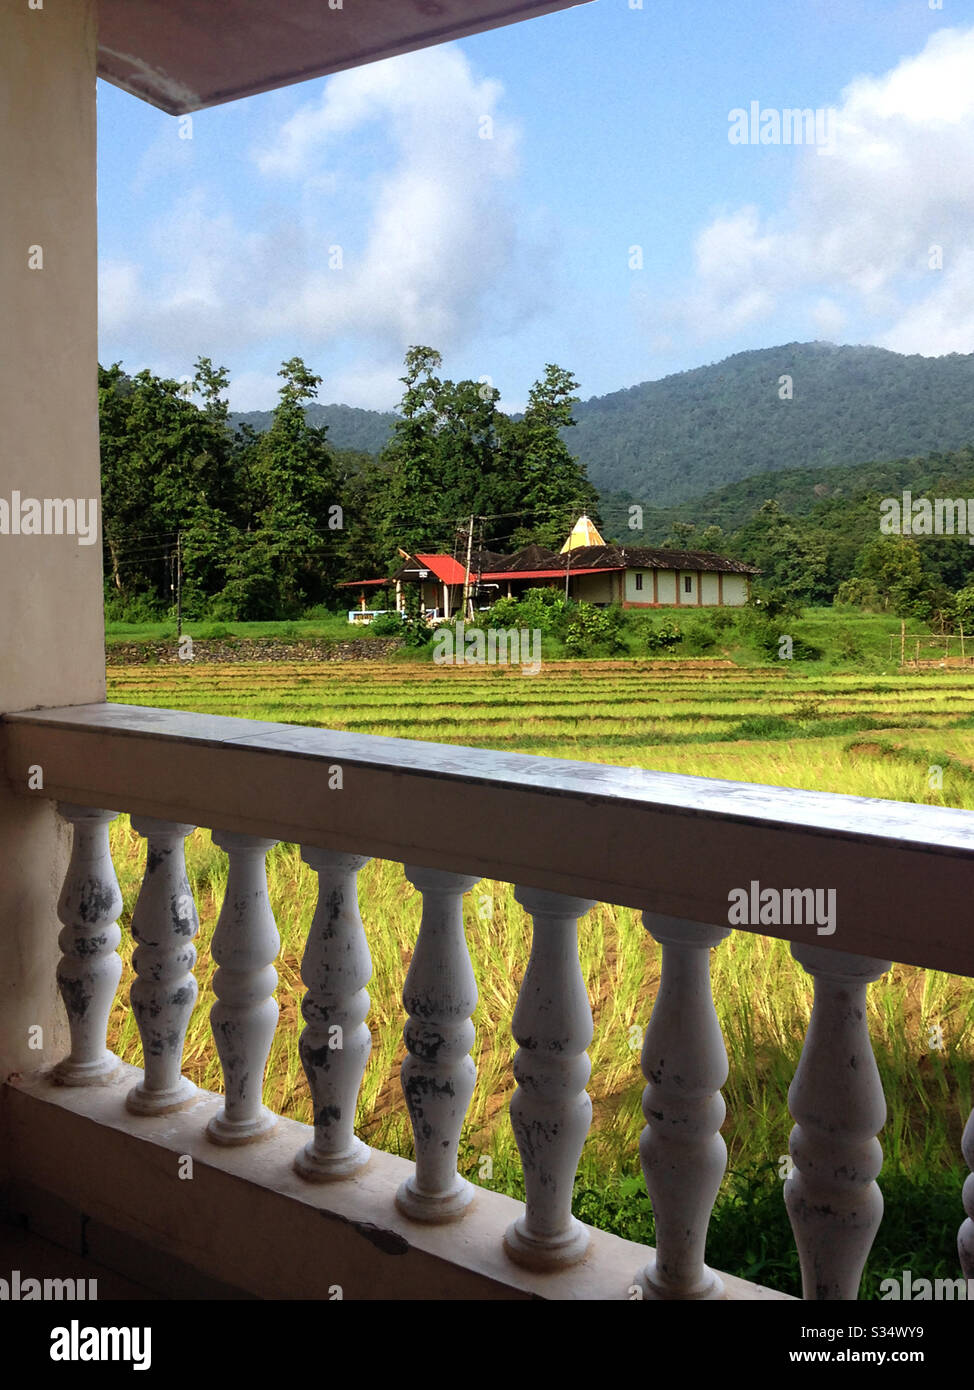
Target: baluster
{"x": 683, "y": 1154}
{"x": 336, "y": 1042}
{"x": 551, "y": 1111}
{"x": 836, "y": 1099}
{"x": 438, "y": 1076}
{"x": 965, "y": 1236}
{"x": 164, "y": 924}
{"x": 90, "y": 967}
{"x": 244, "y": 1017}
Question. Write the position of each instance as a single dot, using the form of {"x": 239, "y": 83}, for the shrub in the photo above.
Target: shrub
{"x": 664, "y": 638}
{"x": 136, "y": 608}
{"x": 721, "y": 619}
{"x": 387, "y": 625}
{"x": 543, "y": 609}
{"x": 594, "y": 631}
{"x": 848, "y": 645}
{"x": 699, "y": 638}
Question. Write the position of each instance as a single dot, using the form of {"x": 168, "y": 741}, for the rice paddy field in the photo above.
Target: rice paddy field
{"x": 863, "y": 735}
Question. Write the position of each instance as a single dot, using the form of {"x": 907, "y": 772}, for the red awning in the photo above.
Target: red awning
{"x": 444, "y": 567}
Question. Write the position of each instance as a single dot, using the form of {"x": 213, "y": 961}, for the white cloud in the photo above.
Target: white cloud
{"x": 830, "y": 318}
{"x": 855, "y": 237}
{"x": 254, "y": 391}
{"x": 390, "y": 166}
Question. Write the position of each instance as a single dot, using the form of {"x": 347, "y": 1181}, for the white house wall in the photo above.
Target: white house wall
{"x": 735, "y": 590}
{"x": 709, "y": 588}
{"x": 666, "y": 586}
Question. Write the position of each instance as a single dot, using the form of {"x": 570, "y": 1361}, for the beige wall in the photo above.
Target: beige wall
{"x": 666, "y": 586}
{"x": 709, "y": 587}
{"x": 593, "y": 588}
{"x": 735, "y": 590}
{"x": 643, "y": 595}
{"x": 51, "y": 632}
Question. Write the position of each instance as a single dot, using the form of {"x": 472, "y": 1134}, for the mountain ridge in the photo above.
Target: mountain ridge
{"x": 681, "y": 436}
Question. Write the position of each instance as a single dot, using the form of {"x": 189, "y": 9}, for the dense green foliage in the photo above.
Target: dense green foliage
{"x": 670, "y": 440}
{"x": 452, "y": 452}
{"x": 269, "y": 524}
{"x": 256, "y": 526}
{"x": 816, "y": 536}
{"x": 349, "y": 427}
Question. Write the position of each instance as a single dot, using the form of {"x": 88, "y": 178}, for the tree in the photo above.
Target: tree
{"x": 682, "y": 536}
{"x": 408, "y": 457}
{"x": 893, "y": 565}
{"x": 167, "y": 468}
{"x": 552, "y": 485}
{"x": 292, "y": 556}
{"x": 791, "y": 559}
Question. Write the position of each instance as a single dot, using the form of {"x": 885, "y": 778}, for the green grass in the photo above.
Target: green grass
{"x": 862, "y": 735}
{"x": 333, "y": 626}
{"x": 849, "y": 639}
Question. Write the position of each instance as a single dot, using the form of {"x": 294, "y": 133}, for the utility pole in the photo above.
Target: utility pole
{"x": 466, "y": 576}
{"x": 568, "y": 566}
{"x": 179, "y": 584}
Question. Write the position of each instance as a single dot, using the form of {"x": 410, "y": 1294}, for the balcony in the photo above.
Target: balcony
{"x": 185, "y": 1190}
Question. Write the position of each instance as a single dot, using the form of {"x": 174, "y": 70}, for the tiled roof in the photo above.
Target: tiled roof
{"x": 619, "y": 557}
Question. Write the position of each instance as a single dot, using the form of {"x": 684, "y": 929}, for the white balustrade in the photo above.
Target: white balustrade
{"x": 245, "y": 943}
{"x": 551, "y": 1111}
{"x": 965, "y": 1236}
{"x": 336, "y": 1042}
{"x": 837, "y": 1101}
{"x": 438, "y": 1076}
{"x": 164, "y": 924}
{"x": 683, "y": 1154}
{"x": 90, "y": 967}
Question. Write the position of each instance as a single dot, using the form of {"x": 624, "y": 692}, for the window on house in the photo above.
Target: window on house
{"x": 639, "y": 581}
{"x": 687, "y": 584}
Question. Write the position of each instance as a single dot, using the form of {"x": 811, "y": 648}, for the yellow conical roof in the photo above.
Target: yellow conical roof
{"x": 583, "y": 533}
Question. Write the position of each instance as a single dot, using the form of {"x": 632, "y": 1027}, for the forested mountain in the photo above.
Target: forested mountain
{"x": 365, "y": 431}
{"x": 669, "y": 440}
{"x": 798, "y": 491}
{"x": 815, "y": 534}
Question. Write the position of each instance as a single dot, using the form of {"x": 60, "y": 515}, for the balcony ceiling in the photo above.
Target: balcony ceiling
{"x": 181, "y": 55}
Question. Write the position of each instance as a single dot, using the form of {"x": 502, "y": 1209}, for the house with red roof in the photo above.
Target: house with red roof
{"x": 586, "y": 569}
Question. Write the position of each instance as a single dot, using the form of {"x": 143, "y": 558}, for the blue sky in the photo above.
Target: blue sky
{"x": 484, "y": 198}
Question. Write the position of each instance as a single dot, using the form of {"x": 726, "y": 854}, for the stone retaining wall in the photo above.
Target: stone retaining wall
{"x": 240, "y": 649}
